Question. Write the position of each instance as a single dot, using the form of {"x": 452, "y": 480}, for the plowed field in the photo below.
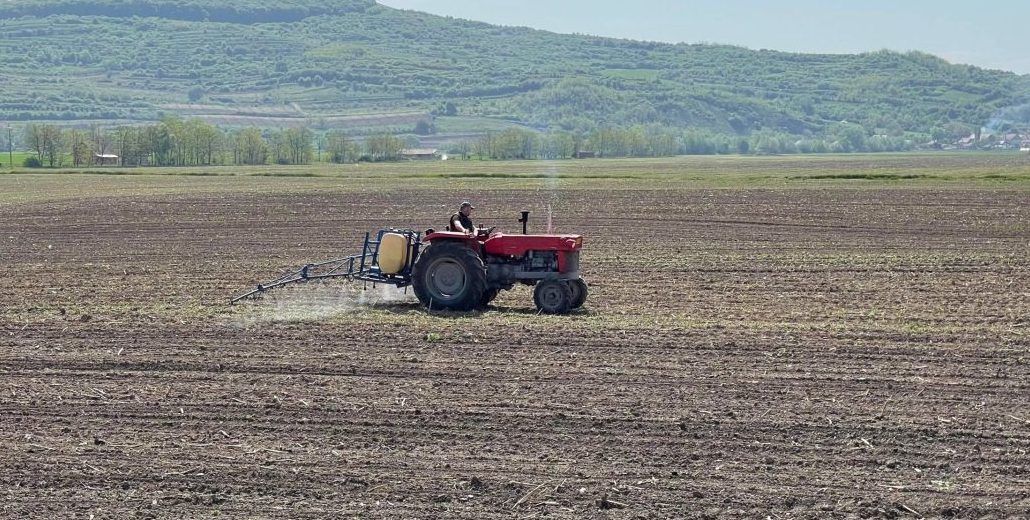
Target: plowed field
{"x": 843, "y": 349}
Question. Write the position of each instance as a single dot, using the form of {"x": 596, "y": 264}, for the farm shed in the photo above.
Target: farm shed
{"x": 103, "y": 158}
{"x": 419, "y": 154}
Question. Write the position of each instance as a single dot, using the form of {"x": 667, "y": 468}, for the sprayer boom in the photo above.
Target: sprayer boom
{"x": 364, "y": 266}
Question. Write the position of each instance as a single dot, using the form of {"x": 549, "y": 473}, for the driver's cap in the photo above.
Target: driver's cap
{"x": 467, "y": 204}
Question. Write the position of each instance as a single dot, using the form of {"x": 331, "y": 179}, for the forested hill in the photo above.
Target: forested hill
{"x": 248, "y": 12}
{"x": 334, "y": 63}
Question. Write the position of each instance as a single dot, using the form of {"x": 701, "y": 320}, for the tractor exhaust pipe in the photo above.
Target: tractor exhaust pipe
{"x": 525, "y": 222}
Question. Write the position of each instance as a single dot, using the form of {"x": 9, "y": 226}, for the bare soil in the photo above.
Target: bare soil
{"x": 744, "y": 353}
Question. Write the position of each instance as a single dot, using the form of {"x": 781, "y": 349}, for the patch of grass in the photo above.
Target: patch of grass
{"x": 514, "y": 175}
{"x": 941, "y": 170}
{"x": 279, "y": 174}
{"x": 865, "y": 176}
{"x": 631, "y": 74}
{"x": 472, "y": 124}
{"x": 18, "y": 160}
{"x": 1004, "y": 177}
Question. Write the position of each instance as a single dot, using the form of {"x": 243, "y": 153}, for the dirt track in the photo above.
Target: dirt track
{"x": 745, "y": 353}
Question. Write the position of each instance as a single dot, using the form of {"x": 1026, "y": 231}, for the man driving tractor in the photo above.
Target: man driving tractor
{"x": 462, "y": 220}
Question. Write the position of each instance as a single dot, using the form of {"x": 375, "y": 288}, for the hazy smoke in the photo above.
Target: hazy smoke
{"x": 315, "y": 302}
{"x": 552, "y": 196}
{"x": 1018, "y": 115}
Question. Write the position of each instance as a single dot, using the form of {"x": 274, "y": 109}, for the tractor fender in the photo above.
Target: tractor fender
{"x": 439, "y": 236}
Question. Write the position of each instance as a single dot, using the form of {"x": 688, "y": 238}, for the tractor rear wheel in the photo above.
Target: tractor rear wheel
{"x": 449, "y": 276}
{"x": 553, "y": 297}
{"x": 579, "y": 292}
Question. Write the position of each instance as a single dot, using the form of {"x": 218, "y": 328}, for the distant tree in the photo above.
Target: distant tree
{"x": 450, "y": 109}
{"x": 578, "y": 143}
{"x": 811, "y": 146}
{"x": 249, "y": 147}
{"x": 613, "y": 141}
{"x": 33, "y": 138}
{"x": 204, "y": 142}
{"x": 52, "y": 144}
{"x": 743, "y": 146}
{"x": 300, "y": 142}
{"x": 81, "y": 149}
{"x": 513, "y": 143}
{"x": 177, "y": 141}
{"x": 339, "y": 148}
{"x": 410, "y": 141}
{"x": 768, "y": 141}
{"x": 126, "y": 144}
{"x": 195, "y": 93}
{"x": 483, "y": 146}
{"x": 383, "y": 147}
{"x": 100, "y": 141}
{"x": 851, "y": 137}
{"x": 609, "y": 141}
{"x": 695, "y": 143}
{"x": 4, "y": 144}
{"x": 424, "y": 127}
{"x": 277, "y": 148}
{"x": 460, "y": 149}
{"x": 157, "y": 145}
{"x": 292, "y": 146}
{"x": 464, "y": 148}
{"x": 559, "y": 145}
{"x": 661, "y": 142}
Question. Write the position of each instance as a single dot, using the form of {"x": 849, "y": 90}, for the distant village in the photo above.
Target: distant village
{"x": 988, "y": 140}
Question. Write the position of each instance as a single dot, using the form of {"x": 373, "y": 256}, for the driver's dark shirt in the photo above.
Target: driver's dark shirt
{"x": 461, "y": 218}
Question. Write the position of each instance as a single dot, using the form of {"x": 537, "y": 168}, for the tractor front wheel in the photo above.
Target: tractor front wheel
{"x": 579, "y": 292}
{"x": 553, "y": 297}
{"x": 449, "y": 276}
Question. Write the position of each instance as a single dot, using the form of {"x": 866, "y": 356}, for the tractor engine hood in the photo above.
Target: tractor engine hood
{"x": 518, "y": 245}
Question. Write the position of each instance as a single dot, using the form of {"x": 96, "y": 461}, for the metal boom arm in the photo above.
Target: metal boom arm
{"x": 339, "y": 268}
{"x": 358, "y": 267}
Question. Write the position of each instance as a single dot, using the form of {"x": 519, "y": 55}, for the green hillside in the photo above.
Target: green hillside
{"x": 357, "y": 64}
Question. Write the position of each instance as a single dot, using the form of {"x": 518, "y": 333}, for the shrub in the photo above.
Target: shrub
{"x": 32, "y": 162}
{"x": 424, "y": 127}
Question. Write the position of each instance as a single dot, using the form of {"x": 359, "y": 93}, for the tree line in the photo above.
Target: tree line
{"x": 194, "y": 142}
{"x": 250, "y": 12}
{"x": 659, "y": 141}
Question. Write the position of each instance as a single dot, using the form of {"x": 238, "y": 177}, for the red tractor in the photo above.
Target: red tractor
{"x": 459, "y": 271}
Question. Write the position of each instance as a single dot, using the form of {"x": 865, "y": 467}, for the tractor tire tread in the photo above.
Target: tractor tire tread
{"x": 565, "y": 304}
{"x": 464, "y": 255}
{"x": 580, "y": 289}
